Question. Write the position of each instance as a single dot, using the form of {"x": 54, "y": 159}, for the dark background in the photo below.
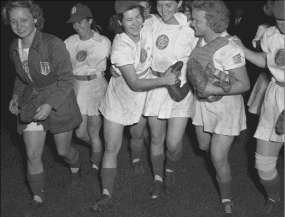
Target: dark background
{"x": 56, "y": 13}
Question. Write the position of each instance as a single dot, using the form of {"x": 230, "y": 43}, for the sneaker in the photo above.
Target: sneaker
{"x": 228, "y": 208}
{"x": 33, "y": 209}
{"x": 156, "y": 189}
{"x": 138, "y": 168}
{"x": 271, "y": 206}
{"x": 102, "y": 204}
{"x": 169, "y": 181}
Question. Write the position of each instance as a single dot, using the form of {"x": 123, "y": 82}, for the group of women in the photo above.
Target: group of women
{"x": 60, "y": 86}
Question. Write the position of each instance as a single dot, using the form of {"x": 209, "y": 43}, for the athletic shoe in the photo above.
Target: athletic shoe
{"x": 138, "y": 168}
{"x": 156, "y": 189}
{"x": 102, "y": 204}
{"x": 228, "y": 208}
{"x": 270, "y": 207}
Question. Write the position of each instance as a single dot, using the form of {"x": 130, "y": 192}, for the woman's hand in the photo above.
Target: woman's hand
{"x": 13, "y": 105}
{"x": 171, "y": 78}
{"x": 113, "y": 72}
{"x": 42, "y": 112}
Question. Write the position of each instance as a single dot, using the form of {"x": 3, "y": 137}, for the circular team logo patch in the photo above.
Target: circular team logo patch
{"x": 81, "y": 56}
{"x": 143, "y": 55}
{"x": 162, "y": 42}
{"x": 279, "y": 57}
{"x": 73, "y": 10}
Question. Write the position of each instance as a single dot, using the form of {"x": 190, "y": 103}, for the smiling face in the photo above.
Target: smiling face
{"x": 132, "y": 23}
{"x": 22, "y": 23}
{"x": 199, "y": 24}
{"x": 83, "y": 28}
{"x": 167, "y": 9}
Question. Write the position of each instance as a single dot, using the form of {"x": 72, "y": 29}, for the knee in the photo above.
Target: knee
{"x": 174, "y": 146}
{"x": 82, "y": 135}
{"x": 157, "y": 139}
{"x": 112, "y": 149}
{"x": 266, "y": 166}
{"x": 219, "y": 159}
{"x": 204, "y": 146}
{"x": 63, "y": 152}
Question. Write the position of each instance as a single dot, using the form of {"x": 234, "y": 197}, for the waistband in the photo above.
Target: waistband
{"x": 158, "y": 74}
{"x": 88, "y": 77}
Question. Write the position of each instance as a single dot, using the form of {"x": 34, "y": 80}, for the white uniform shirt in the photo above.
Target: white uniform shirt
{"x": 228, "y": 57}
{"x": 121, "y": 104}
{"x": 272, "y": 43}
{"x": 88, "y": 57}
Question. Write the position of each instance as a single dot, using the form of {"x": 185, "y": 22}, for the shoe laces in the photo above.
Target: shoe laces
{"x": 228, "y": 209}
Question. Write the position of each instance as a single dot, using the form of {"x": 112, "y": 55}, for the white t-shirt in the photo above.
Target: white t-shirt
{"x": 88, "y": 57}
{"x": 272, "y": 43}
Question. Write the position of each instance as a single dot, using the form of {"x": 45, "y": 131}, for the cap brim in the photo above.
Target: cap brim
{"x": 75, "y": 19}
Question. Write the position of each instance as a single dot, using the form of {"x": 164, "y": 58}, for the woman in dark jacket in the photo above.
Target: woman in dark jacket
{"x": 43, "y": 97}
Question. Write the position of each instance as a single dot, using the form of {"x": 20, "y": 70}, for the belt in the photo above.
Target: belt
{"x": 88, "y": 77}
{"x": 158, "y": 74}
{"x": 281, "y": 84}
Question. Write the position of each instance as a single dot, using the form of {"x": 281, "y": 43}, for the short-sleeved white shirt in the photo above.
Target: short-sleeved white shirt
{"x": 272, "y": 43}
{"x": 88, "y": 57}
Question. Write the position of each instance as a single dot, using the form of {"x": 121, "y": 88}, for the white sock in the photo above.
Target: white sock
{"x": 136, "y": 160}
{"x": 226, "y": 200}
{"x": 105, "y": 191}
{"x": 74, "y": 170}
{"x": 38, "y": 199}
{"x": 94, "y": 166}
{"x": 157, "y": 178}
{"x": 169, "y": 171}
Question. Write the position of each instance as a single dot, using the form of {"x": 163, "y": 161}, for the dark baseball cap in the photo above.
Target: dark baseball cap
{"x": 121, "y": 6}
{"x": 78, "y": 13}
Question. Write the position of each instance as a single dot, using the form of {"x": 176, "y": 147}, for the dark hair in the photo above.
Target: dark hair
{"x": 268, "y": 8}
{"x": 34, "y": 9}
{"x": 93, "y": 24}
{"x": 216, "y": 13}
{"x": 114, "y": 25}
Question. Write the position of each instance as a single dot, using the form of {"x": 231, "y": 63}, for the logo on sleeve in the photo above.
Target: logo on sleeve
{"x": 143, "y": 55}
{"x": 162, "y": 42}
{"x": 279, "y": 57}
{"x": 81, "y": 56}
{"x": 237, "y": 59}
{"x": 45, "y": 69}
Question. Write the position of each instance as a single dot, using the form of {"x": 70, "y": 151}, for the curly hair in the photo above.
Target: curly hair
{"x": 268, "y": 8}
{"x": 34, "y": 9}
{"x": 114, "y": 25}
{"x": 216, "y": 13}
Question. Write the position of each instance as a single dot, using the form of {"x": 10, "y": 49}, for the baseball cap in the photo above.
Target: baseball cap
{"x": 278, "y": 9}
{"x": 121, "y": 6}
{"x": 78, "y": 13}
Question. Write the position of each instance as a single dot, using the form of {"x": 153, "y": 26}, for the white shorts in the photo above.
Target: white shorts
{"x": 33, "y": 126}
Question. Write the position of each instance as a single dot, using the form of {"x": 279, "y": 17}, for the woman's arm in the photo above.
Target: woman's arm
{"x": 241, "y": 85}
{"x": 136, "y": 84}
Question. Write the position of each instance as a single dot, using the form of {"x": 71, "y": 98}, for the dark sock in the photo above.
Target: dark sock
{"x": 158, "y": 164}
{"x": 96, "y": 158}
{"x": 225, "y": 189}
{"x": 74, "y": 162}
{"x": 135, "y": 155}
{"x": 108, "y": 179}
{"x": 272, "y": 187}
{"x": 172, "y": 159}
{"x": 36, "y": 182}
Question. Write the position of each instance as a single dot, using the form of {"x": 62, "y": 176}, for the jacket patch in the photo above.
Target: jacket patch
{"x": 143, "y": 55}
{"x": 45, "y": 69}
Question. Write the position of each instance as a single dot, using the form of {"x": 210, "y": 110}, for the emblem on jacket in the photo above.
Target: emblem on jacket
{"x": 162, "y": 42}
{"x": 45, "y": 69}
{"x": 143, "y": 55}
{"x": 279, "y": 57}
{"x": 81, "y": 56}
{"x": 25, "y": 66}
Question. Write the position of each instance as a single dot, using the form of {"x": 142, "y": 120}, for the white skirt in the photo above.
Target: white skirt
{"x": 89, "y": 95}
{"x": 271, "y": 108}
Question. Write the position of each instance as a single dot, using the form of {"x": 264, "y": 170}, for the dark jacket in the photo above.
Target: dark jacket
{"x": 51, "y": 71}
